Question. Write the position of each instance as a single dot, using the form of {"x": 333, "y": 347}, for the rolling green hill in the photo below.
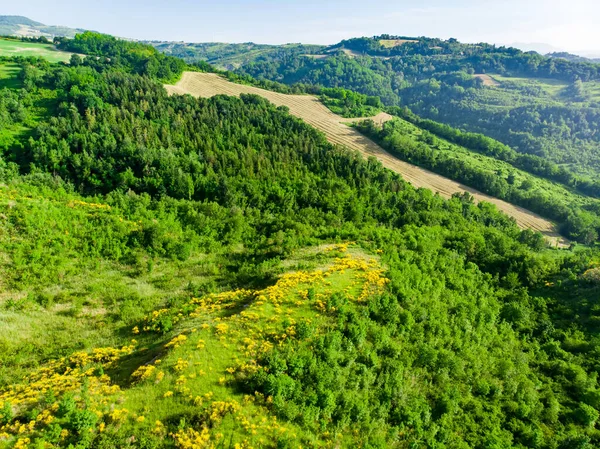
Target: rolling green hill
{"x": 191, "y": 273}
{"x": 229, "y": 56}
{"x": 537, "y": 105}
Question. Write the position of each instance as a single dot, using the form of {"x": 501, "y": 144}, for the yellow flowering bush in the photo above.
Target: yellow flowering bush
{"x": 143, "y": 373}
{"x": 70, "y": 388}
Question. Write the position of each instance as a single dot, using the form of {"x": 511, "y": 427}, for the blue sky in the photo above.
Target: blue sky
{"x": 571, "y": 25}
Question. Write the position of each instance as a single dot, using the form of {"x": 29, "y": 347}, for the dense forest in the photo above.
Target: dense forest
{"x": 181, "y": 272}
{"x": 481, "y": 57}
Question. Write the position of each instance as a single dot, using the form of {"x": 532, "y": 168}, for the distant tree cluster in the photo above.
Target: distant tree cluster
{"x": 135, "y": 57}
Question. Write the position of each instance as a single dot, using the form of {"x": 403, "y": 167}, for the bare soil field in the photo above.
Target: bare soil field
{"x": 335, "y": 128}
{"x": 355, "y": 54}
{"x": 487, "y": 79}
{"x": 389, "y": 43}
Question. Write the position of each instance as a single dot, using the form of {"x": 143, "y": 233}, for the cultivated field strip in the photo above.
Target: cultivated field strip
{"x": 313, "y": 112}
{"x": 487, "y": 79}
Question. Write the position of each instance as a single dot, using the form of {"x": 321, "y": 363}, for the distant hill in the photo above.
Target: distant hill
{"x": 18, "y": 20}
{"x": 228, "y": 56}
{"x": 539, "y": 47}
{"x": 501, "y": 92}
{"x": 23, "y": 26}
{"x": 555, "y": 52}
{"x": 572, "y": 57}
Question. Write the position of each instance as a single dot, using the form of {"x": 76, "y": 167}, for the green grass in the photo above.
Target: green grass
{"x": 92, "y": 305}
{"x": 593, "y": 90}
{"x": 46, "y": 300}
{"x": 9, "y": 47}
{"x": 221, "y": 339}
{"x": 391, "y": 43}
{"x": 552, "y": 87}
{"x": 43, "y": 103}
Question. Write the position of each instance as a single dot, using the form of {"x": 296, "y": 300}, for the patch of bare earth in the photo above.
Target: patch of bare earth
{"x": 313, "y": 112}
{"x": 487, "y": 79}
{"x": 390, "y": 43}
{"x": 352, "y": 53}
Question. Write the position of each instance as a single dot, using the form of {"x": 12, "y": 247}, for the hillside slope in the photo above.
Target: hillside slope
{"x": 554, "y": 114}
{"x": 228, "y": 56}
{"x": 16, "y": 47}
{"x": 180, "y": 272}
{"x": 311, "y": 110}
{"x": 25, "y": 27}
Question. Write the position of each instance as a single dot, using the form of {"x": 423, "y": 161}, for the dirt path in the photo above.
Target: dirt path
{"x": 313, "y": 112}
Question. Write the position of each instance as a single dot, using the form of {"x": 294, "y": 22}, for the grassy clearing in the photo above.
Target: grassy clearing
{"x": 92, "y": 305}
{"x": 74, "y": 303}
{"x": 593, "y": 90}
{"x": 316, "y": 56}
{"x": 179, "y": 374}
{"x": 487, "y": 80}
{"x": 511, "y": 91}
{"x": 216, "y": 348}
{"x": 554, "y": 88}
{"x": 10, "y": 47}
{"x": 43, "y": 103}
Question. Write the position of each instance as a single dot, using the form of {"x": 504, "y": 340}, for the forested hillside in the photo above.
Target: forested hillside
{"x": 229, "y": 56}
{"x": 191, "y": 273}
{"x": 476, "y": 160}
{"x": 535, "y": 104}
{"x": 525, "y": 180}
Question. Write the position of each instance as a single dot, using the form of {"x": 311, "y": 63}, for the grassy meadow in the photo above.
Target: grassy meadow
{"x": 9, "y": 75}
{"x": 9, "y": 47}
{"x": 41, "y": 105}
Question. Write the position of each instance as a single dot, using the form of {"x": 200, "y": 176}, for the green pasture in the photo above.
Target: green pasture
{"x": 9, "y": 47}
